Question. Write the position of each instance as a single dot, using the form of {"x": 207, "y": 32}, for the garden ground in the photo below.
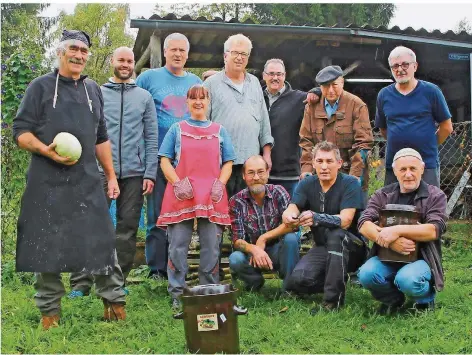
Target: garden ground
{"x": 150, "y": 328}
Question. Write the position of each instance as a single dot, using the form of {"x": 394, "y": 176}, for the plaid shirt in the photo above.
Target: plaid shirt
{"x": 249, "y": 221}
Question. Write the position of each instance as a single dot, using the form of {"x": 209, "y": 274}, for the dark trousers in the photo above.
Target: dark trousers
{"x": 235, "y": 182}
{"x": 128, "y": 213}
{"x": 157, "y": 246}
{"x": 324, "y": 268}
{"x": 430, "y": 176}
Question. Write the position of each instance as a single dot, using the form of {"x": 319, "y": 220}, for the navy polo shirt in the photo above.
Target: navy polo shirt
{"x": 410, "y": 120}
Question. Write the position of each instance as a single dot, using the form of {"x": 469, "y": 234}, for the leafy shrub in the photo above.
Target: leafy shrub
{"x": 17, "y": 72}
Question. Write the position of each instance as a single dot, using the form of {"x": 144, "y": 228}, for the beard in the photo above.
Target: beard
{"x": 257, "y": 189}
{"x": 121, "y": 77}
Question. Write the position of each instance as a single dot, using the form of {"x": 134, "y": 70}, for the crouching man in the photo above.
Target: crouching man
{"x": 261, "y": 240}
{"x": 329, "y": 203}
{"x": 391, "y": 282}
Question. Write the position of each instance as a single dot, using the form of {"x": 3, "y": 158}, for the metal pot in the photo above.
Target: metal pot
{"x": 210, "y": 318}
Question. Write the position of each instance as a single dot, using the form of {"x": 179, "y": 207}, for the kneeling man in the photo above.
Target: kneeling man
{"x": 261, "y": 240}
{"x": 330, "y": 202}
{"x": 391, "y": 282}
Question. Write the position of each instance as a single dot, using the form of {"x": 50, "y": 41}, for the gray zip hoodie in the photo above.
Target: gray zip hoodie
{"x": 131, "y": 120}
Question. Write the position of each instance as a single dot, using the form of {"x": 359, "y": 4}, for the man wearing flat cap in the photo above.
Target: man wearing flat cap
{"x": 64, "y": 224}
{"x": 340, "y": 118}
{"x": 390, "y": 282}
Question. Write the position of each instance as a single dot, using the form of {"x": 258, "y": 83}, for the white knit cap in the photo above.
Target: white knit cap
{"x": 407, "y": 152}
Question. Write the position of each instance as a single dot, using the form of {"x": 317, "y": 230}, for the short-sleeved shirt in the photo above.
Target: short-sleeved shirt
{"x": 345, "y": 193}
{"x": 249, "y": 220}
{"x": 169, "y": 93}
{"x": 411, "y": 120}
{"x": 171, "y": 144}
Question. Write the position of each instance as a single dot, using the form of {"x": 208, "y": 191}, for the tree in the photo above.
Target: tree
{"x": 464, "y": 25}
{"x": 225, "y": 11}
{"x": 284, "y": 14}
{"x": 327, "y": 14}
{"x": 23, "y": 27}
{"x": 106, "y": 25}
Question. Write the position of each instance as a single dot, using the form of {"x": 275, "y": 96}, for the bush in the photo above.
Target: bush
{"x": 17, "y": 72}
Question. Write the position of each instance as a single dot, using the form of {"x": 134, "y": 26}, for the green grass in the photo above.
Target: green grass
{"x": 150, "y": 328}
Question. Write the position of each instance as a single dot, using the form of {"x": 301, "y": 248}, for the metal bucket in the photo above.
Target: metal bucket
{"x": 210, "y": 319}
{"x": 394, "y": 214}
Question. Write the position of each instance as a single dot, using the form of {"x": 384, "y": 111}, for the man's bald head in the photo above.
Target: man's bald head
{"x": 255, "y": 159}
{"x": 123, "y": 50}
{"x": 123, "y": 64}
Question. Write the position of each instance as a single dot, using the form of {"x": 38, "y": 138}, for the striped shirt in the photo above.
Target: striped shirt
{"x": 244, "y": 115}
{"x": 249, "y": 220}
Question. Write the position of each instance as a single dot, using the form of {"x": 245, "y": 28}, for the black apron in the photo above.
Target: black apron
{"x": 64, "y": 223}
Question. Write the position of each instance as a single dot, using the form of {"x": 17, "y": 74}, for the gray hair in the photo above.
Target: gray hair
{"x": 176, "y": 36}
{"x": 276, "y": 61}
{"x": 326, "y": 146}
{"x": 399, "y": 51}
{"x": 61, "y": 49}
{"x": 237, "y": 39}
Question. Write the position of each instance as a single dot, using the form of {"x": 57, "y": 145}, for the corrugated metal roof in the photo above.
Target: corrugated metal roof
{"x": 437, "y": 34}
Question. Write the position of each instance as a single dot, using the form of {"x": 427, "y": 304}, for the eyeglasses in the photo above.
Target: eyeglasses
{"x": 404, "y": 65}
{"x": 260, "y": 173}
{"x": 236, "y": 54}
{"x": 272, "y": 74}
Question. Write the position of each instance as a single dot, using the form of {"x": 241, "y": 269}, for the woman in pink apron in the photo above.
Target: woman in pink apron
{"x": 196, "y": 158}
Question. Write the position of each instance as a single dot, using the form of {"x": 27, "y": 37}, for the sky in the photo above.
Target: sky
{"x": 430, "y": 15}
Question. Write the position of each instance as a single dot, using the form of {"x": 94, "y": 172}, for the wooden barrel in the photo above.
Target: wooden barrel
{"x": 394, "y": 214}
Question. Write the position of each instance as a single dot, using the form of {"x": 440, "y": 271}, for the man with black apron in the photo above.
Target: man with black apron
{"x": 64, "y": 224}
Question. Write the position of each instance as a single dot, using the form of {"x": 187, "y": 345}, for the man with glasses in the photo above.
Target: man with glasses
{"x": 237, "y": 103}
{"x": 407, "y": 113}
{"x": 286, "y": 107}
{"x": 260, "y": 239}
{"x": 329, "y": 203}
{"x": 341, "y": 118}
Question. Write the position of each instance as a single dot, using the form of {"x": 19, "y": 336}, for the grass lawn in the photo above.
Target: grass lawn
{"x": 150, "y": 328}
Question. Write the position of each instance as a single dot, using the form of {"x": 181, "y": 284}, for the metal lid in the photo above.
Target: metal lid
{"x": 210, "y": 289}
{"x": 397, "y": 207}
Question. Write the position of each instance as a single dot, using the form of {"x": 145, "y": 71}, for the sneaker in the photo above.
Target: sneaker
{"x": 157, "y": 277}
{"x": 176, "y": 305}
{"x": 422, "y": 307}
{"x": 389, "y": 309}
{"x": 75, "y": 294}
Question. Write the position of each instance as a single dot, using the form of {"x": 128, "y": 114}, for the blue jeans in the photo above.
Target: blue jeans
{"x": 284, "y": 255}
{"x": 288, "y": 185}
{"x": 156, "y": 238}
{"x": 387, "y": 281}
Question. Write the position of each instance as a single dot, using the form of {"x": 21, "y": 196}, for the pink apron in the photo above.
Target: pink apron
{"x": 200, "y": 162}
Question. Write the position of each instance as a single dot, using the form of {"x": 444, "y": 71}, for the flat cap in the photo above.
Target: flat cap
{"x": 328, "y": 74}
{"x": 407, "y": 152}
